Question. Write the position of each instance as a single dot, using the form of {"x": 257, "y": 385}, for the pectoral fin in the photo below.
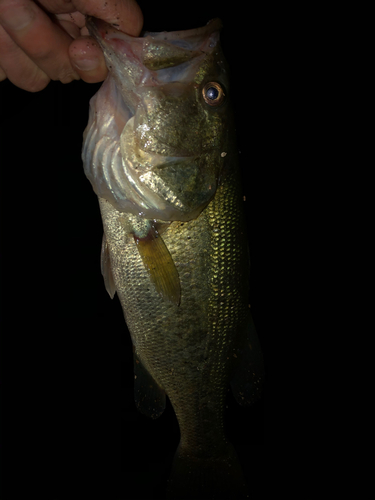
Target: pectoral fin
{"x": 159, "y": 265}
{"x": 247, "y": 381}
{"x": 149, "y": 396}
{"x": 105, "y": 264}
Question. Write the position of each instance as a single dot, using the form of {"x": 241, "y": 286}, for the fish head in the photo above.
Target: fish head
{"x": 171, "y": 108}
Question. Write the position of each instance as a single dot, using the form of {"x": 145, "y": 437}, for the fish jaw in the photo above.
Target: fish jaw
{"x": 138, "y": 154}
{"x": 135, "y": 61}
{"x": 122, "y": 63}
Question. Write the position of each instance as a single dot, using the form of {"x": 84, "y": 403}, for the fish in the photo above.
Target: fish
{"x": 160, "y": 152}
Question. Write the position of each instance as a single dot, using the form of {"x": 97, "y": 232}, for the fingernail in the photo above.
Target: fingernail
{"x": 17, "y": 18}
{"x": 86, "y": 64}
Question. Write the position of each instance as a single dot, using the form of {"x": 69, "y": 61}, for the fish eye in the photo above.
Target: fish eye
{"x": 213, "y": 93}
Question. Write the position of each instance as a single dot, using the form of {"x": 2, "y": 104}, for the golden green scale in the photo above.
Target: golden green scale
{"x": 183, "y": 279}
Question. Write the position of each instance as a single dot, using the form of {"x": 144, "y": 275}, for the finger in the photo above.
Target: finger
{"x": 57, "y": 6}
{"x": 72, "y": 22}
{"x": 18, "y": 67}
{"x": 75, "y": 18}
{"x": 125, "y": 14}
{"x": 88, "y": 60}
{"x": 43, "y": 41}
{"x": 70, "y": 28}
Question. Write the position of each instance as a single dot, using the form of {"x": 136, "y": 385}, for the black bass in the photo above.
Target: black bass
{"x": 159, "y": 150}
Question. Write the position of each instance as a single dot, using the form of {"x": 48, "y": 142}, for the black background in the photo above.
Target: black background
{"x": 68, "y": 409}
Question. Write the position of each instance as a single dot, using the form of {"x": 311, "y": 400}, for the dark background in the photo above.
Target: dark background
{"x": 68, "y": 411}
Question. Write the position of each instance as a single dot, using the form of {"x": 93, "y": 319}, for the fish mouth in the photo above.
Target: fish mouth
{"x": 190, "y": 40}
{"x": 121, "y": 61}
{"x": 156, "y": 63}
{"x": 135, "y": 61}
{"x": 136, "y": 156}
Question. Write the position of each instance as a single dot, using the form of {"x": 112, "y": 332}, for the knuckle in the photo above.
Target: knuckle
{"x": 67, "y": 76}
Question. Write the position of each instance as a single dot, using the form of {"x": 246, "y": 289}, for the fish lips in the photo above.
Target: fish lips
{"x": 137, "y": 61}
{"x": 120, "y": 59}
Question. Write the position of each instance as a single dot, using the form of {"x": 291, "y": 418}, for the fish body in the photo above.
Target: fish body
{"x": 159, "y": 150}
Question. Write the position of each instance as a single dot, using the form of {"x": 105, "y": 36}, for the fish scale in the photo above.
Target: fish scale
{"x": 189, "y": 350}
{"x": 182, "y": 279}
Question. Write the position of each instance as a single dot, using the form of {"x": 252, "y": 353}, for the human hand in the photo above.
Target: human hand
{"x": 47, "y": 40}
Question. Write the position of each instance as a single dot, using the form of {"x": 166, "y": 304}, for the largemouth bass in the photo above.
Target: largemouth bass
{"x": 159, "y": 150}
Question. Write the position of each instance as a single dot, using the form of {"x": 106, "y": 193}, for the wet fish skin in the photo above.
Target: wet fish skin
{"x": 192, "y": 335}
